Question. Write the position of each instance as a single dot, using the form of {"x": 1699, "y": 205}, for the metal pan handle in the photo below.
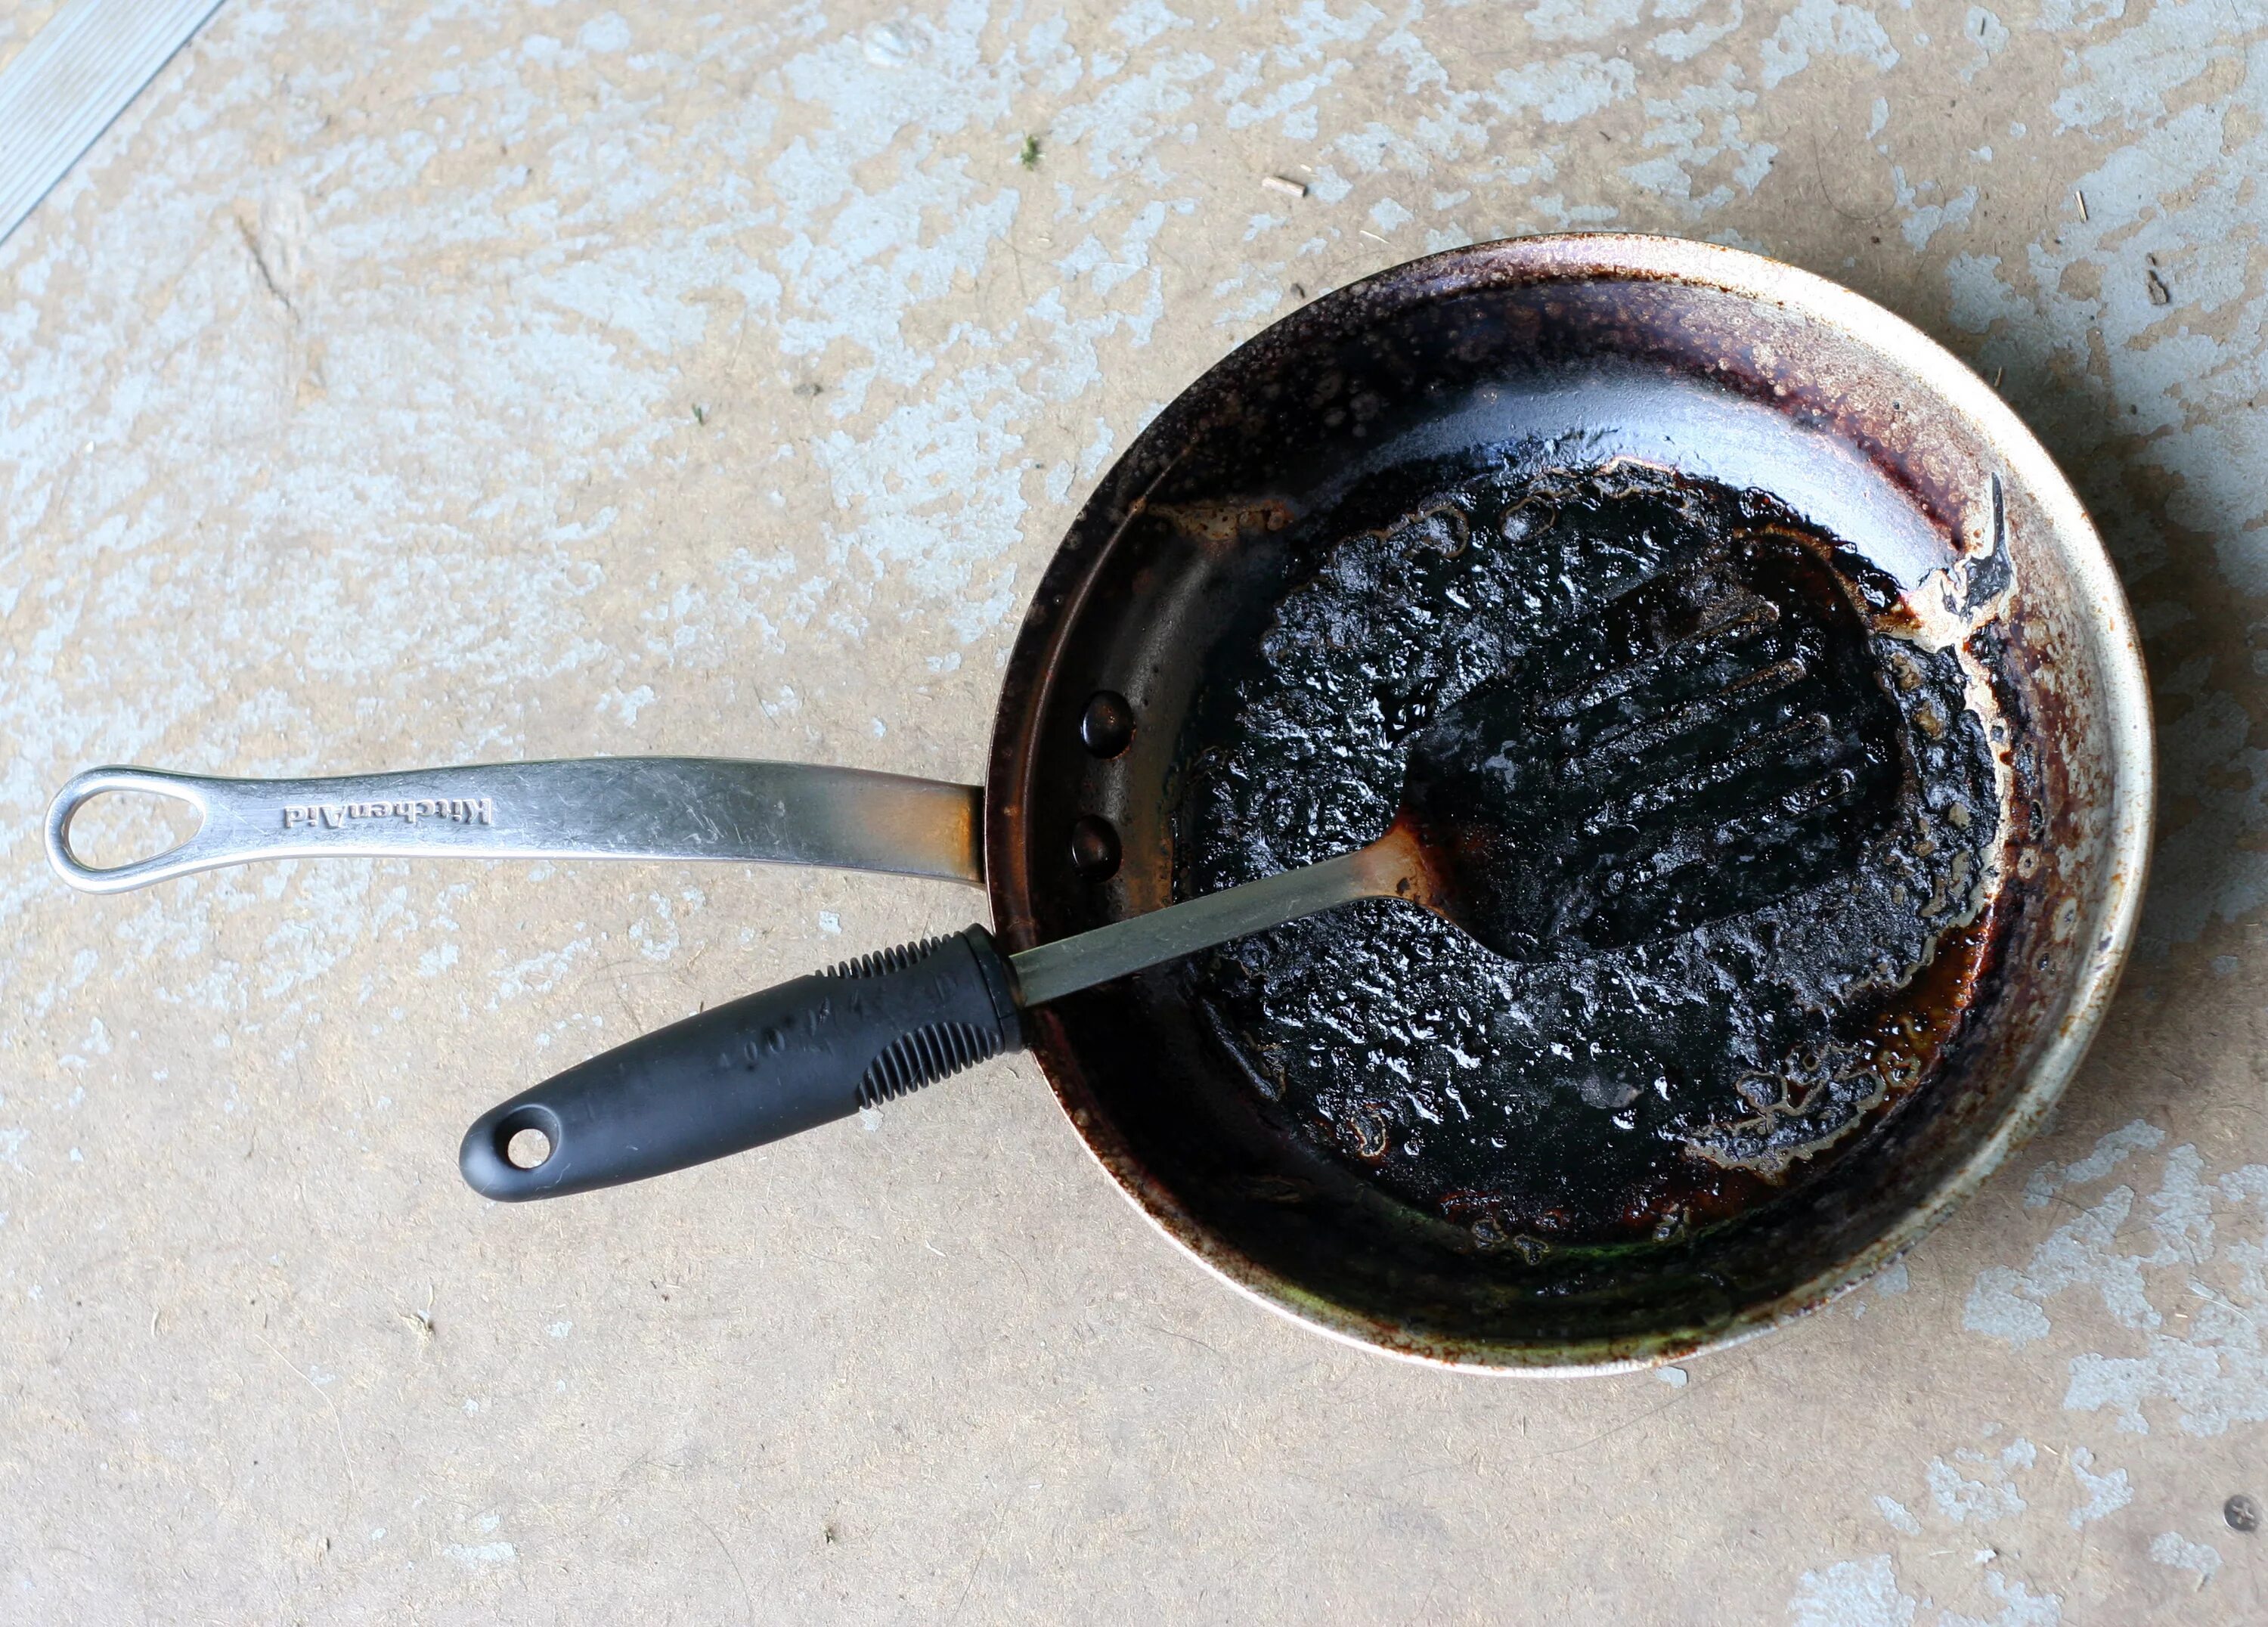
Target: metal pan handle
{"x": 596, "y": 808}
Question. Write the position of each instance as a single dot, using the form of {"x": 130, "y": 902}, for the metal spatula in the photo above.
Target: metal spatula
{"x": 1711, "y": 742}
{"x": 1716, "y": 740}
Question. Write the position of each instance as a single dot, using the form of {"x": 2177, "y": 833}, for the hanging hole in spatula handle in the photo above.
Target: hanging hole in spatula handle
{"x": 763, "y": 1067}
{"x": 183, "y": 858}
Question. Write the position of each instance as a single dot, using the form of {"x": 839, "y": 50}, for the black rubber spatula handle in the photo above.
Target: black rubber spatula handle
{"x": 762, "y": 1067}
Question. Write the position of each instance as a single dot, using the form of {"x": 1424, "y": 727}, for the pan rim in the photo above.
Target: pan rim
{"x": 2129, "y": 767}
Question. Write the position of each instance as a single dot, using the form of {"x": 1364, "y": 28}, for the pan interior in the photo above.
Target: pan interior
{"x": 1170, "y": 581}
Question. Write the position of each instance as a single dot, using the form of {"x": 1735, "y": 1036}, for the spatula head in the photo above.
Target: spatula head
{"x": 1711, "y": 742}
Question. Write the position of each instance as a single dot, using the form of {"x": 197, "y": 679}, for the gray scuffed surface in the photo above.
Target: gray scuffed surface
{"x": 399, "y": 385}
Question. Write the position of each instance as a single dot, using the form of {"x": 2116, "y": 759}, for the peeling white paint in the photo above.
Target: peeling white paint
{"x": 2175, "y": 1551}
{"x": 2106, "y": 1494}
{"x": 1852, "y": 1594}
{"x": 2019, "y": 1606}
{"x": 1924, "y": 221}
{"x": 1824, "y": 27}
{"x": 481, "y": 1555}
{"x": 2201, "y": 1309}
{"x": 1695, "y": 129}
{"x": 2140, "y": 1135}
{"x": 1965, "y": 1501}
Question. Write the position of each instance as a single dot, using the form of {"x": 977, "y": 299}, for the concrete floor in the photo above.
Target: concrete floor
{"x": 411, "y": 384}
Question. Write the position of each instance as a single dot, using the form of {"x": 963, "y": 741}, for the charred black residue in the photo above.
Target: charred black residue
{"x": 1644, "y": 1091}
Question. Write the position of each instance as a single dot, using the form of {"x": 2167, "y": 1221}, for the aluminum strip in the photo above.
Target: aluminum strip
{"x": 78, "y": 74}
{"x": 1051, "y": 970}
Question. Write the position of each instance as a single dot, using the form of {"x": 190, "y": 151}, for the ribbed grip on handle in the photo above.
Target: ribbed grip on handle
{"x": 764, "y": 1067}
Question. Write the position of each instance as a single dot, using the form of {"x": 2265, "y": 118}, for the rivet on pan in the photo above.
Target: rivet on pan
{"x": 1094, "y": 848}
{"x": 1107, "y": 725}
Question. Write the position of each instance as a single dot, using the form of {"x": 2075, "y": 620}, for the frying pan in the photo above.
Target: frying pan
{"x": 1579, "y": 349}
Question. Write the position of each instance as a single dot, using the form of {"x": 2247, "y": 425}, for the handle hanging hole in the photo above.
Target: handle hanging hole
{"x": 527, "y": 1138}
{"x": 116, "y": 827}
{"x": 528, "y": 1149}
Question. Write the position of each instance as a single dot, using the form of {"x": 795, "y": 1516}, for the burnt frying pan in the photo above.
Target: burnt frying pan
{"x": 1578, "y": 350}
